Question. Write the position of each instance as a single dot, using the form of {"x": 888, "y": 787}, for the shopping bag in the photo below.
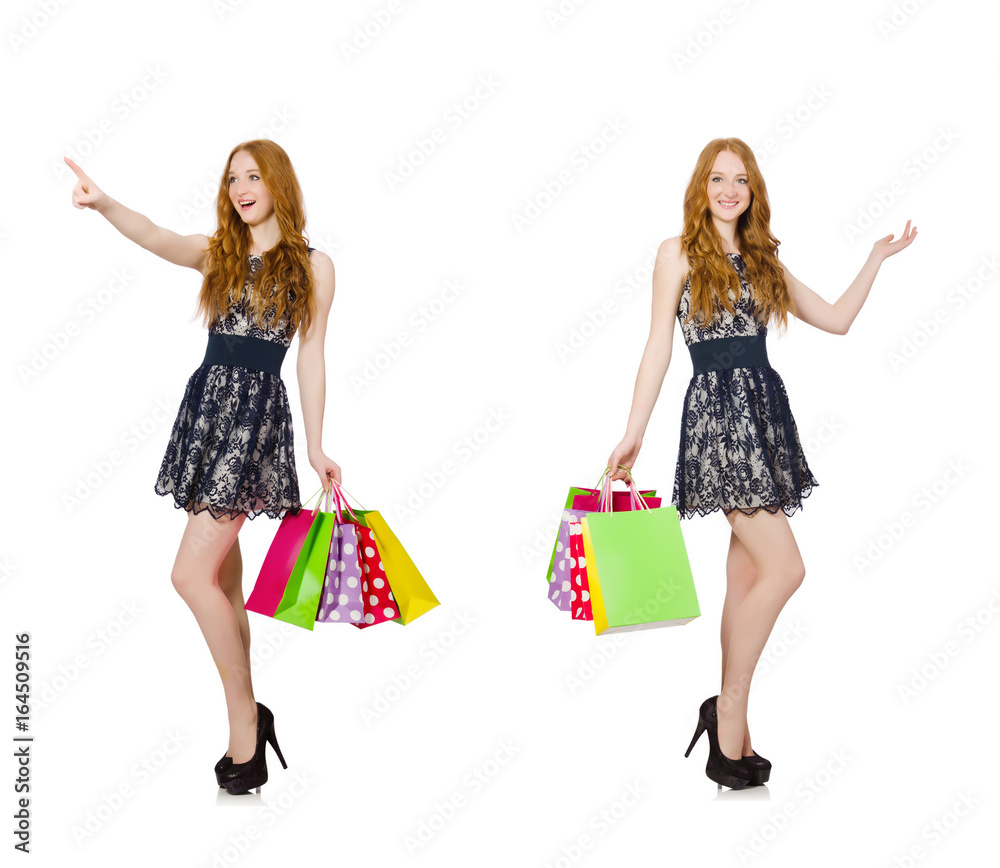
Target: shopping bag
{"x": 582, "y": 608}
{"x": 378, "y": 604}
{"x": 621, "y": 499}
{"x": 560, "y": 585}
{"x": 637, "y": 568}
{"x": 568, "y": 590}
{"x": 280, "y": 561}
{"x": 561, "y": 545}
{"x": 356, "y": 590}
{"x": 341, "y": 597}
{"x": 410, "y": 593}
{"x": 299, "y": 604}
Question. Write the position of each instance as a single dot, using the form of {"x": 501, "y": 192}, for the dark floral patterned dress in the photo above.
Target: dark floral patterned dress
{"x": 231, "y": 449}
{"x": 739, "y": 445}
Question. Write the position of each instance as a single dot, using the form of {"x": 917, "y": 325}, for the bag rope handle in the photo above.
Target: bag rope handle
{"x": 604, "y": 501}
{"x": 335, "y": 491}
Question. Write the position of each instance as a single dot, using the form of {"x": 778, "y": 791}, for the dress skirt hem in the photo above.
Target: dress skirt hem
{"x": 739, "y": 446}
{"x": 231, "y": 449}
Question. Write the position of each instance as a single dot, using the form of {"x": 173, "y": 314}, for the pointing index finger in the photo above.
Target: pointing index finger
{"x": 79, "y": 172}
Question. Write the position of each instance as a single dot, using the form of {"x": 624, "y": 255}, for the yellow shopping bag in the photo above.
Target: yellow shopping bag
{"x": 412, "y": 594}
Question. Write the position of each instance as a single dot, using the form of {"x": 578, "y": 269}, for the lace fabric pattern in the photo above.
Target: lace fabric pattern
{"x": 231, "y": 449}
{"x": 739, "y": 445}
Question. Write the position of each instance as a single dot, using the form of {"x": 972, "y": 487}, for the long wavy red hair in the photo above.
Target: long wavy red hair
{"x": 710, "y": 267}
{"x": 286, "y": 264}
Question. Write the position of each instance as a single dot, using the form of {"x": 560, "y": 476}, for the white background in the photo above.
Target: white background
{"x": 905, "y": 107}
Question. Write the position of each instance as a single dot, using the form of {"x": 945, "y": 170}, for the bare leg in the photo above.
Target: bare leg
{"x": 231, "y": 582}
{"x": 770, "y": 543}
{"x": 204, "y": 546}
{"x": 741, "y": 574}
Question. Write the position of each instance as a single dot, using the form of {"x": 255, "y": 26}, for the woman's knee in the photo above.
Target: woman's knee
{"x": 795, "y": 573}
{"x": 187, "y": 578}
{"x": 206, "y": 543}
{"x": 181, "y": 580}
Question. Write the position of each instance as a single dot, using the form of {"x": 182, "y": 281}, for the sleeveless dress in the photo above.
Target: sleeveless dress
{"x": 231, "y": 449}
{"x": 739, "y": 445}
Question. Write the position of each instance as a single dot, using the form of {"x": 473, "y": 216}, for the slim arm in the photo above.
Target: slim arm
{"x": 311, "y": 365}
{"x": 187, "y": 250}
{"x": 668, "y": 283}
{"x": 835, "y": 318}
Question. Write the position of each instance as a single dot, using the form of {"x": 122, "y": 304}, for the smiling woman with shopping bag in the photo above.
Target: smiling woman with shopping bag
{"x": 739, "y": 448}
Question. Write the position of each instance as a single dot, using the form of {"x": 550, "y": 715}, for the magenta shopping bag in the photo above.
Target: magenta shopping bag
{"x": 279, "y": 561}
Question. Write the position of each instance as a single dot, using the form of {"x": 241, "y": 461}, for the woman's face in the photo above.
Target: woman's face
{"x": 728, "y": 187}
{"x": 247, "y": 191}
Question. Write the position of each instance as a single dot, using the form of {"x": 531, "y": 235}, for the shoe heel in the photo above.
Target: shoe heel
{"x": 697, "y": 734}
{"x": 272, "y": 740}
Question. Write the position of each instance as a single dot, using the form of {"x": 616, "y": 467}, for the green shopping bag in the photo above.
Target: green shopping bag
{"x": 300, "y": 602}
{"x": 573, "y": 492}
{"x": 637, "y": 568}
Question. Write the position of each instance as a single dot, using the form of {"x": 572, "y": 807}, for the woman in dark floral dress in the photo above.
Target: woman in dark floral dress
{"x": 231, "y": 453}
{"x": 739, "y": 447}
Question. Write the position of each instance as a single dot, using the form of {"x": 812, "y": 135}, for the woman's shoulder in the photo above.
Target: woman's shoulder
{"x": 318, "y": 257}
{"x": 673, "y": 252}
{"x": 673, "y": 247}
{"x": 673, "y": 255}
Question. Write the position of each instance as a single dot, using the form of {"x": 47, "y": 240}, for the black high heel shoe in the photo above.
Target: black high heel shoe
{"x": 220, "y": 766}
{"x": 720, "y": 768}
{"x": 240, "y": 778}
{"x": 760, "y": 769}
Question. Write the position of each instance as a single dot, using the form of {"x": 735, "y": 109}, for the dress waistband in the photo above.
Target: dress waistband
{"x": 245, "y": 352}
{"x": 720, "y": 354}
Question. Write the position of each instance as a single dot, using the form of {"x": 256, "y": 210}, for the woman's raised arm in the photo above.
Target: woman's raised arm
{"x": 187, "y": 250}
{"x": 836, "y": 318}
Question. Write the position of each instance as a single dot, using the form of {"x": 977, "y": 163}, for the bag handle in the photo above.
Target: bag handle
{"x": 604, "y": 502}
{"x": 628, "y": 470}
{"x": 337, "y": 490}
{"x": 318, "y": 502}
{"x": 637, "y": 499}
{"x": 328, "y": 498}
{"x": 601, "y": 480}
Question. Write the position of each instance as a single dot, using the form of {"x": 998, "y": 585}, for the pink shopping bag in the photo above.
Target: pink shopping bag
{"x": 280, "y": 560}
